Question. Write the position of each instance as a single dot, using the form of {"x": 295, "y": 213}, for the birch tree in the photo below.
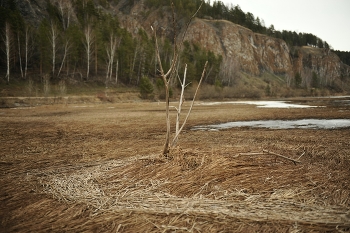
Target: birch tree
{"x": 53, "y": 37}
{"x": 66, "y": 12}
{"x": 28, "y": 48}
{"x": 19, "y": 52}
{"x": 116, "y": 71}
{"x": 8, "y": 41}
{"x": 133, "y": 62}
{"x": 88, "y": 43}
{"x": 65, "y": 54}
{"x": 111, "y": 49}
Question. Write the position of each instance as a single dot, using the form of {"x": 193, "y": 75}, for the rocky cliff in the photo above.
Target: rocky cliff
{"x": 32, "y": 10}
{"x": 253, "y": 53}
{"x": 323, "y": 62}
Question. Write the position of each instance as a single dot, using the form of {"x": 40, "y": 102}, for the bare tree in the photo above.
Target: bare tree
{"x": 66, "y": 12}
{"x": 167, "y": 80}
{"x": 19, "y": 52}
{"x": 8, "y": 41}
{"x": 28, "y": 48}
{"x": 141, "y": 69}
{"x": 53, "y": 37}
{"x": 132, "y": 67}
{"x": 111, "y": 49}
{"x": 116, "y": 71}
{"x": 88, "y": 42}
{"x": 65, "y": 54}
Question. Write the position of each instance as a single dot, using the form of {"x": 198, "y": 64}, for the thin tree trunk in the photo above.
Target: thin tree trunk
{"x": 96, "y": 61}
{"x": 133, "y": 63}
{"x": 166, "y": 148}
{"x": 66, "y": 49}
{"x": 116, "y": 71}
{"x": 183, "y": 85}
{"x": 88, "y": 43}
{"x": 108, "y": 68}
{"x": 67, "y": 65}
{"x": 139, "y": 70}
{"x": 53, "y": 40}
{"x": 7, "y": 45}
{"x": 19, "y": 54}
{"x": 26, "y": 51}
{"x": 88, "y": 64}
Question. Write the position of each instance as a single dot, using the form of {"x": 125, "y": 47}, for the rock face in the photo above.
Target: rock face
{"x": 32, "y": 10}
{"x": 257, "y": 53}
{"x": 253, "y": 53}
{"x": 323, "y": 62}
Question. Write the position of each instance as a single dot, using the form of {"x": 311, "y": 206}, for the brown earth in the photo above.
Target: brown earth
{"x": 97, "y": 168}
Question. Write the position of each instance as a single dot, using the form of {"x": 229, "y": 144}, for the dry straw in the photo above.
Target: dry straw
{"x": 195, "y": 184}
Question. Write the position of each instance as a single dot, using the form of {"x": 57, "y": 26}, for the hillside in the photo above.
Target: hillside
{"x": 239, "y": 58}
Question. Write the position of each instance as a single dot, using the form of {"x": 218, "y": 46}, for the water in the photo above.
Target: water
{"x": 263, "y": 104}
{"x": 282, "y": 124}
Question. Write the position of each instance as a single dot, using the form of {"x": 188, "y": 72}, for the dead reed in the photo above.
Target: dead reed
{"x": 92, "y": 168}
{"x": 194, "y": 183}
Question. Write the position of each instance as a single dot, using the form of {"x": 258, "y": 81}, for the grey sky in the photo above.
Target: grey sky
{"x": 327, "y": 19}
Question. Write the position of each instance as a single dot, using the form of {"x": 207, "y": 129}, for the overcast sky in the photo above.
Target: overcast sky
{"x": 326, "y": 19}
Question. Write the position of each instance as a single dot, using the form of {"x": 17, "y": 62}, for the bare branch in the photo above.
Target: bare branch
{"x": 188, "y": 24}
{"x": 266, "y": 152}
{"x": 181, "y": 101}
{"x": 189, "y": 111}
{"x": 158, "y": 55}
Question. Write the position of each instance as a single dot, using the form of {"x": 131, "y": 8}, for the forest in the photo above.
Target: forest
{"x": 82, "y": 40}
{"x": 91, "y": 46}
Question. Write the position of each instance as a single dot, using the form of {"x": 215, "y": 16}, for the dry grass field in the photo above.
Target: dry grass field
{"x": 97, "y": 168}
